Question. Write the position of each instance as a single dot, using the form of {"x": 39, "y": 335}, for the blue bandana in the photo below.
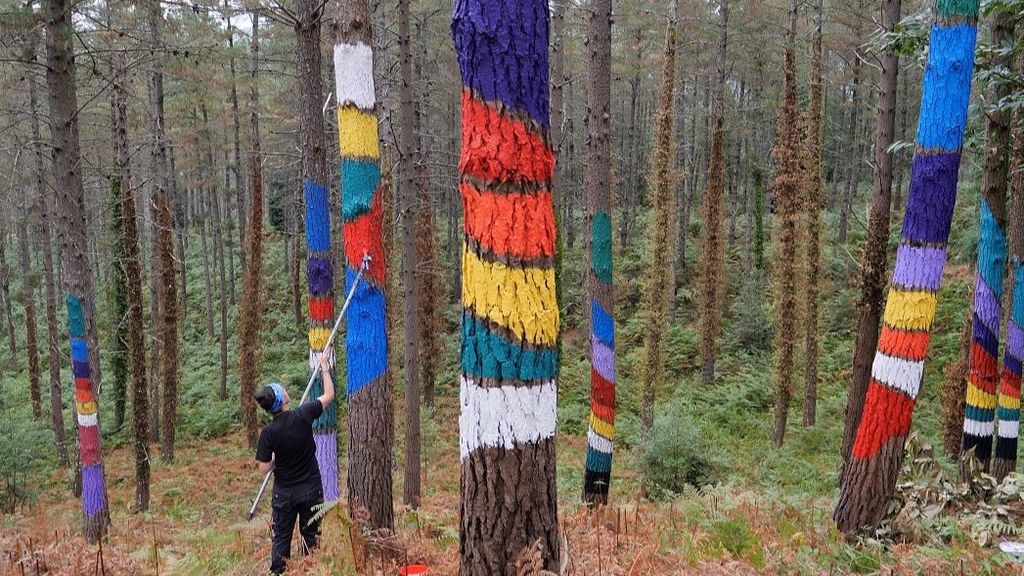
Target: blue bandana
{"x": 278, "y": 397}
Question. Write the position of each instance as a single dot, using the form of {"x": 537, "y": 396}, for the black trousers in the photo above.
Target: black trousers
{"x": 288, "y": 505}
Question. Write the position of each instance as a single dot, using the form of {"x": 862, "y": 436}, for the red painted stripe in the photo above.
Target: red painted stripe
{"x": 983, "y": 363}
{"x": 497, "y": 148}
{"x": 89, "y": 440}
{"x": 84, "y": 384}
{"x": 321, "y": 309}
{"x": 363, "y": 236}
{"x": 606, "y": 413}
{"x": 520, "y": 225}
{"x": 904, "y": 344}
{"x": 1010, "y": 385}
{"x": 83, "y": 396}
{"x": 602, "y": 392}
{"x": 887, "y": 414}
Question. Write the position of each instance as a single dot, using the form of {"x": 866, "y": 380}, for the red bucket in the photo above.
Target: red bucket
{"x": 413, "y": 570}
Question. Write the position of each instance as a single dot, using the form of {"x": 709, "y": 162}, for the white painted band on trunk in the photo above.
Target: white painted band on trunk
{"x": 353, "y": 75}
{"x": 898, "y": 373}
{"x": 506, "y": 416}
{"x": 1009, "y": 428}
{"x": 314, "y": 359}
{"x": 598, "y": 442}
{"x": 87, "y": 419}
{"x": 976, "y": 428}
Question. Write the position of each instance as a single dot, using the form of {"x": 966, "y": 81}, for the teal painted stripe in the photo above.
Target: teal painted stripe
{"x": 598, "y": 461}
{"x": 957, "y": 8}
{"x": 76, "y": 317}
{"x": 601, "y": 247}
{"x": 359, "y": 180}
{"x": 486, "y": 354}
{"x": 991, "y": 250}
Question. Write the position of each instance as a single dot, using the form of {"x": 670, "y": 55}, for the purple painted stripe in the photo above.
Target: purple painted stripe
{"x": 986, "y": 306}
{"x": 919, "y": 268}
{"x": 603, "y": 359}
{"x": 931, "y": 199}
{"x": 1015, "y": 341}
{"x": 94, "y": 498}
{"x": 80, "y": 369}
{"x": 327, "y": 460}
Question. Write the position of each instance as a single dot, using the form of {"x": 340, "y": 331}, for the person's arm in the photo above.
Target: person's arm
{"x": 265, "y": 467}
{"x": 325, "y": 373}
{"x": 264, "y": 453}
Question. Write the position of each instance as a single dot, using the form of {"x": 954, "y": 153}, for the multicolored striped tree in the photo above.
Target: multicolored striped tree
{"x": 510, "y": 317}
{"x": 601, "y": 433}
{"x": 77, "y": 278}
{"x": 898, "y": 368}
{"x": 371, "y": 416}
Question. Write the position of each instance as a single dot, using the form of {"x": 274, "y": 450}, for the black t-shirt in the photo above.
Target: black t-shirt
{"x": 288, "y": 438}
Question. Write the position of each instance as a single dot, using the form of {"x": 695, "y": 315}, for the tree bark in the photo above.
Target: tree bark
{"x": 236, "y": 166}
{"x": 853, "y": 158}
{"x": 28, "y": 300}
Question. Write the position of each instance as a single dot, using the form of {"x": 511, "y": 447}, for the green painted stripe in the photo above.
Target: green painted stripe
{"x": 601, "y": 247}
{"x": 952, "y": 8}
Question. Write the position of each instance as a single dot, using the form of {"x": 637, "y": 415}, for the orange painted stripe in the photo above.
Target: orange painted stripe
{"x": 321, "y": 309}
{"x": 497, "y": 148}
{"x": 363, "y": 236}
{"x": 983, "y": 363}
{"x": 909, "y": 345}
{"x": 606, "y": 413}
{"x": 887, "y": 414}
{"x": 521, "y": 225}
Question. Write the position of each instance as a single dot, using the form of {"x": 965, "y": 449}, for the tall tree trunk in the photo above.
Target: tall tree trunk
{"x": 899, "y": 158}
{"x": 250, "y": 309}
{"x": 204, "y": 191}
{"x": 118, "y": 293}
{"x": 135, "y": 340}
{"x": 983, "y": 368}
{"x": 410, "y": 312}
{"x": 712, "y": 253}
{"x": 5, "y": 293}
{"x": 53, "y": 358}
{"x": 814, "y": 198}
{"x": 874, "y": 257}
{"x": 601, "y": 433}
{"x": 786, "y": 195}
{"x": 77, "y": 280}
{"x": 877, "y": 453}
{"x": 558, "y": 82}
{"x": 236, "y": 165}
{"x": 1009, "y": 386}
{"x": 853, "y": 158}
{"x": 371, "y": 416}
{"x": 508, "y": 392}
{"x": 218, "y": 206}
{"x": 28, "y": 300}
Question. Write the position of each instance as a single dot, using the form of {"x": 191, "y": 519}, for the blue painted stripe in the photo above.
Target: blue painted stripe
{"x": 947, "y": 87}
{"x": 979, "y": 414}
{"x": 598, "y": 461}
{"x": 602, "y": 324}
{"x": 502, "y": 49}
{"x": 79, "y": 350}
{"x": 932, "y": 196}
{"x": 359, "y": 180}
{"x": 486, "y": 354}
{"x": 80, "y": 369}
{"x": 985, "y": 337}
{"x": 1008, "y": 414}
{"x": 1012, "y": 364}
{"x": 991, "y": 251}
{"x": 366, "y": 342}
{"x": 318, "y": 221}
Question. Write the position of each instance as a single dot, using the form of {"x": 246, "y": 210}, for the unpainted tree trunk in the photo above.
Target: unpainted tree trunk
{"x": 853, "y": 158}
{"x": 28, "y": 301}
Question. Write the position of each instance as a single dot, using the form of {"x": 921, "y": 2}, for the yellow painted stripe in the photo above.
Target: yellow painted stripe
{"x": 1009, "y": 402}
{"x": 521, "y": 300}
{"x": 910, "y": 310}
{"x": 357, "y": 133}
{"x": 601, "y": 427}
{"x": 318, "y": 338}
{"x": 979, "y": 398}
{"x": 86, "y": 408}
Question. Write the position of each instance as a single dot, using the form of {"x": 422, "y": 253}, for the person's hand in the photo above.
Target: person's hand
{"x": 325, "y": 362}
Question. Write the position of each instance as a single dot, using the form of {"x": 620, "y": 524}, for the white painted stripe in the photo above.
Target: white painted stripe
{"x": 353, "y": 75}
{"x": 1009, "y": 428}
{"x": 87, "y": 419}
{"x": 314, "y": 359}
{"x": 505, "y": 416}
{"x": 598, "y": 442}
{"x": 976, "y": 428}
{"x": 898, "y": 373}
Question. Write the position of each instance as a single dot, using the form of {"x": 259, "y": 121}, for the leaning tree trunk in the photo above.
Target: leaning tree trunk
{"x": 410, "y": 313}
{"x": 874, "y": 258}
{"x": 50, "y": 291}
{"x": 1009, "y": 388}
{"x": 786, "y": 195}
{"x": 133, "y": 291}
{"x": 601, "y": 432}
{"x": 510, "y": 318}
{"x": 319, "y": 263}
{"x": 814, "y": 192}
{"x": 250, "y": 309}
{"x": 712, "y": 254}
{"x": 983, "y": 366}
{"x": 877, "y": 455}
{"x": 77, "y": 279}
{"x": 371, "y": 416}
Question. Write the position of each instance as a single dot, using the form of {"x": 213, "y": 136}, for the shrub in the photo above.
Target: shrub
{"x": 676, "y": 454}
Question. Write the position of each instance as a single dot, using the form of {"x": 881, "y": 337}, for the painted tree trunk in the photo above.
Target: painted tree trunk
{"x": 898, "y": 369}
{"x": 983, "y": 376}
{"x": 77, "y": 279}
{"x": 510, "y": 316}
{"x": 371, "y": 416}
{"x": 874, "y": 257}
{"x": 601, "y": 433}
{"x": 1008, "y": 410}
